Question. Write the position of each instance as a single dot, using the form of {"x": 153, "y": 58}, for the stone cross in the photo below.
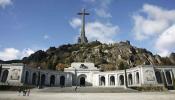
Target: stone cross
{"x": 82, "y": 38}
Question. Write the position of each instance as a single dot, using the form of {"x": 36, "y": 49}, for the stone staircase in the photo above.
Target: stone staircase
{"x": 85, "y": 90}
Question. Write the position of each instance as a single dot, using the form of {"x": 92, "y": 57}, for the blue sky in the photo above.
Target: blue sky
{"x": 30, "y": 25}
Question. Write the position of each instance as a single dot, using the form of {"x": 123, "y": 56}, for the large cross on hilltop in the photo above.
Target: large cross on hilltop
{"x": 82, "y": 39}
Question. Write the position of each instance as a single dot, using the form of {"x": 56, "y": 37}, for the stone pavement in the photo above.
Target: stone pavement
{"x": 89, "y": 96}
{"x": 85, "y": 90}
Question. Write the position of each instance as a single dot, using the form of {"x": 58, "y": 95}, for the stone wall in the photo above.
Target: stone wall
{"x": 89, "y": 75}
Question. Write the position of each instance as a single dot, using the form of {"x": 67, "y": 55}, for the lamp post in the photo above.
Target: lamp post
{"x": 126, "y": 81}
{"x": 39, "y": 83}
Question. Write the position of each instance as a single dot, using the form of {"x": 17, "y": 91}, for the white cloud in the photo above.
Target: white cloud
{"x": 89, "y": 1}
{"x": 101, "y": 7}
{"x": 27, "y": 52}
{"x": 166, "y": 42}
{"x": 75, "y": 22}
{"x": 4, "y": 3}
{"x": 105, "y": 3}
{"x": 12, "y": 53}
{"x": 103, "y": 13}
{"x": 156, "y": 24}
{"x": 104, "y": 32}
{"x": 102, "y": 3}
{"x": 152, "y": 21}
{"x": 46, "y": 36}
{"x": 9, "y": 54}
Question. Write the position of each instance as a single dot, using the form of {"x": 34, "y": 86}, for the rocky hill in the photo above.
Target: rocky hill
{"x": 105, "y": 56}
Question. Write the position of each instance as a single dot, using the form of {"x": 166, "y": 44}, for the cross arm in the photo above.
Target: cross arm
{"x": 83, "y": 13}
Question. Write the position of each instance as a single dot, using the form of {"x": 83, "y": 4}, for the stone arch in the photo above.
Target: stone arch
{"x": 26, "y": 77}
{"x": 43, "y": 78}
{"x": 121, "y": 80}
{"x": 52, "y": 80}
{"x": 62, "y": 81}
{"x": 168, "y": 77}
{"x": 137, "y": 78}
{"x": 130, "y": 81}
{"x": 158, "y": 77}
{"x": 4, "y": 76}
{"x": 102, "y": 81}
{"x": 82, "y": 80}
{"x": 112, "y": 80}
{"x": 34, "y": 77}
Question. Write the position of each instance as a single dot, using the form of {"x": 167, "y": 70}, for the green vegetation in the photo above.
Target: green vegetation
{"x": 121, "y": 66}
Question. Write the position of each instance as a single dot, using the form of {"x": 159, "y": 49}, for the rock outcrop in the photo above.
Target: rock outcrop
{"x": 105, "y": 56}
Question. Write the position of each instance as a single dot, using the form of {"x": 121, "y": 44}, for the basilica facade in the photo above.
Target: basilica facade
{"x": 86, "y": 74}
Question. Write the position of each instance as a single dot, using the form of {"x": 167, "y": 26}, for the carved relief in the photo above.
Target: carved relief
{"x": 15, "y": 74}
{"x": 83, "y": 66}
{"x": 149, "y": 75}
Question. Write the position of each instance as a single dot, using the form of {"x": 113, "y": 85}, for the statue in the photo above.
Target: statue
{"x": 15, "y": 74}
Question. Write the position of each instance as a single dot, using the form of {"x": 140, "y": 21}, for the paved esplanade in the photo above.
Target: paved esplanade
{"x": 89, "y": 96}
{"x": 83, "y": 38}
{"x": 85, "y": 90}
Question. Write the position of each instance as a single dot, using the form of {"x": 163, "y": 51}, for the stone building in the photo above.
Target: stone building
{"x": 86, "y": 74}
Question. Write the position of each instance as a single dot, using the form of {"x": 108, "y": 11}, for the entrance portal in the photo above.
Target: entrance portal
{"x": 43, "y": 78}
{"x": 4, "y": 76}
{"x": 62, "y": 81}
{"x": 52, "y": 80}
{"x": 34, "y": 79}
{"x": 82, "y": 81}
{"x": 168, "y": 77}
{"x": 121, "y": 81}
{"x": 27, "y": 77}
{"x": 102, "y": 81}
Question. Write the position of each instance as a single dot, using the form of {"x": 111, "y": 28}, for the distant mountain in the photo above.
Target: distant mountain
{"x": 104, "y": 56}
{"x": 1, "y": 61}
{"x": 10, "y": 61}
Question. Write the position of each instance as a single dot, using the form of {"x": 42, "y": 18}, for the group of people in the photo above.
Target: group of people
{"x": 25, "y": 92}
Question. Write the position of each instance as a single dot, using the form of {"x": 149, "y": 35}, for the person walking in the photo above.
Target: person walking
{"x": 24, "y": 92}
{"x": 28, "y": 92}
{"x": 19, "y": 91}
{"x": 76, "y": 89}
